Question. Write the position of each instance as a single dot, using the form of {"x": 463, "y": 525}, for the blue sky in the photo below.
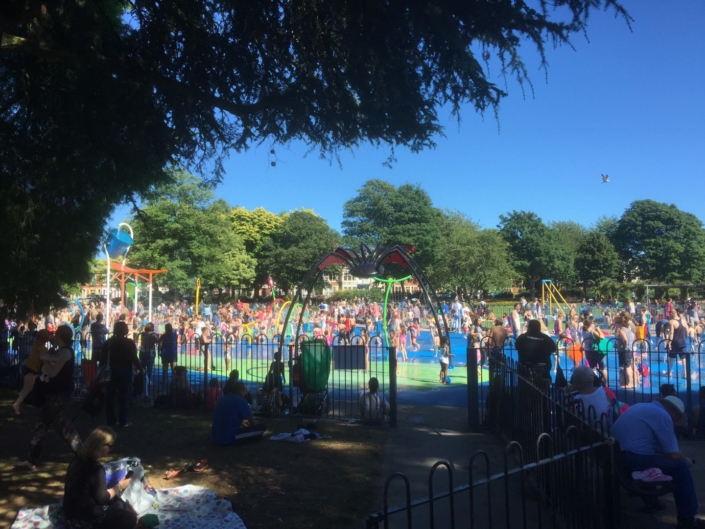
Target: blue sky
{"x": 629, "y": 104}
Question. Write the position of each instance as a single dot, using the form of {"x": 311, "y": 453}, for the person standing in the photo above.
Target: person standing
{"x": 120, "y": 354}
{"x": 677, "y": 341}
{"x": 168, "y": 351}
{"x": 148, "y": 345}
{"x": 535, "y": 348}
{"x": 56, "y": 393}
{"x": 668, "y": 309}
{"x": 99, "y": 333}
{"x": 515, "y": 321}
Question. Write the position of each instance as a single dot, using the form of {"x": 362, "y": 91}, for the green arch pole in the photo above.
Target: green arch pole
{"x": 389, "y": 283}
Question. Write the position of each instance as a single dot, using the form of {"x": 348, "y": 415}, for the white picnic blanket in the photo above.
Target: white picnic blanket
{"x": 185, "y": 507}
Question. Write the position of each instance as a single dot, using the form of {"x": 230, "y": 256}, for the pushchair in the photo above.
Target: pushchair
{"x": 313, "y": 366}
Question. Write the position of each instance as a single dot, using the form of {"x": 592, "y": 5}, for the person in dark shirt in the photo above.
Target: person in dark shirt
{"x": 88, "y": 502}
{"x": 120, "y": 353}
{"x": 535, "y": 349}
{"x": 99, "y": 333}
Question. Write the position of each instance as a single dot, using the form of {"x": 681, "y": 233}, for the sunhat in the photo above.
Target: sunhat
{"x": 674, "y": 403}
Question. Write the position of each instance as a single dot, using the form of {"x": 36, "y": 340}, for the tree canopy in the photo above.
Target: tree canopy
{"x": 295, "y": 246}
{"x": 183, "y": 229}
{"x": 470, "y": 259}
{"x": 98, "y": 98}
{"x": 596, "y": 260}
{"x": 659, "y": 242}
{"x": 383, "y": 213}
{"x": 537, "y": 254}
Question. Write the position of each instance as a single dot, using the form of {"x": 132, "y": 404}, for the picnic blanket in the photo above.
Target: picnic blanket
{"x": 185, "y": 507}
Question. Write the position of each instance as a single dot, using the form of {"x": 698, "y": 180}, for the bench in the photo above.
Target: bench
{"x": 637, "y": 487}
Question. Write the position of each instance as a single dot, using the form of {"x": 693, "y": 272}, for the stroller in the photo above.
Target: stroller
{"x": 311, "y": 376}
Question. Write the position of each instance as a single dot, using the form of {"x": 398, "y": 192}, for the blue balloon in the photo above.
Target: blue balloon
{"x": 447, "y": 380}
{"x": 451, "y": 367}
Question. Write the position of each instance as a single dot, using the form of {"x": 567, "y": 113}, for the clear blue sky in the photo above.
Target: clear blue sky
{"x": 629, "y": 104}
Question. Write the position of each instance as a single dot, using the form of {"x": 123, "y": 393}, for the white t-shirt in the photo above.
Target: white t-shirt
{"x": 375, "y": 406}
{"x": 598, "y": 400}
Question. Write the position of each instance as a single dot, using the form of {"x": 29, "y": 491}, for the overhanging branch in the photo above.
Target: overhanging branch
{"x": 11, "y": 44}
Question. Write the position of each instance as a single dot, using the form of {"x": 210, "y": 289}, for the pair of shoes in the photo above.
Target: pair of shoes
{"x": 127, "y": 424}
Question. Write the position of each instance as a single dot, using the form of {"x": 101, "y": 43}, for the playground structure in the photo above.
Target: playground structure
{"x": 116, "y": 245}
{"x": 551, "y": 294}
{"x": 368, "y": 264}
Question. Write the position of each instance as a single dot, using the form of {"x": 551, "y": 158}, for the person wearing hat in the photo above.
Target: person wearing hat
{"x": 647, "y": 438}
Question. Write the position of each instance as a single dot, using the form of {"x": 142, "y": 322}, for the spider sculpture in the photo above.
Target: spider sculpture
{"x": 368, "y": 263}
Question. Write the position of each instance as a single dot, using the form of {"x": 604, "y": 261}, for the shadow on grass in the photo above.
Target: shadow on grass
{"x": 329, "y": 482}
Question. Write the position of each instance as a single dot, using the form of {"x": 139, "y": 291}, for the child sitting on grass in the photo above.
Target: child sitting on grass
{"x": 213, "y": 393}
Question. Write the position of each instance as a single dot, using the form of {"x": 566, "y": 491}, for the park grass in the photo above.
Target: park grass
{"x": 331, "y": 482}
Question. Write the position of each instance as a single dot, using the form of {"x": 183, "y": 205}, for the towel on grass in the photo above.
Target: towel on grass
{"x": 185, "y": 507}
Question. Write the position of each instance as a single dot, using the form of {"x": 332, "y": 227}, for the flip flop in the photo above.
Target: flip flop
{"x": 199, "y": 466}
{"x": 172, "y": 473}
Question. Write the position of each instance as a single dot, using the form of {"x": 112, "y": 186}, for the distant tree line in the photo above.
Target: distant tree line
{"x": 183, "y": 227}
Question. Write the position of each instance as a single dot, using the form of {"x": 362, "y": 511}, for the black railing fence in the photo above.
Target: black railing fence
{"x": 558, "y": 471}
{"x": 650, "y": 368}
{"x": 208, "y": 366}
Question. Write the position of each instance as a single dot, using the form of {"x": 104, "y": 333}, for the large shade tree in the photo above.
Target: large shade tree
{"x": 182, "y": 228}
{"x": 596, "y": 261}
{"x": 98, "y": 97}
{"x": 295, "y": 246}
{"x": 659, "y": 242}
{"x": 389, "y": 215}
{"x": 537, "y": 251}
{"x": 471, "y": 259}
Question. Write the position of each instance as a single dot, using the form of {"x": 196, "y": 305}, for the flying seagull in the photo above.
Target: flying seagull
{"x": 605, "y": 178}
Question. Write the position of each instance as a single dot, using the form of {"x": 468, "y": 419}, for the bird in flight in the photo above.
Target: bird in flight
{"x": 605, "y": 178}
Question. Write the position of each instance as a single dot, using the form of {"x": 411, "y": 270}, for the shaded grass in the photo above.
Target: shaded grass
{"x": 330, "y": 482}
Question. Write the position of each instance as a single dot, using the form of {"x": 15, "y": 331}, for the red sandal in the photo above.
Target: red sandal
{"x": 172, "y": 473}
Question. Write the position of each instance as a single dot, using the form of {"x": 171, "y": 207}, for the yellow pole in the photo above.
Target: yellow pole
{"x": 198, "y": 290}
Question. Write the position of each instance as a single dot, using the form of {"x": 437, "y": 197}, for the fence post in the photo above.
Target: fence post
{"x": 473, "y": 401}
{"x": 688, "y": 395}
{"x": 393, "y": 387}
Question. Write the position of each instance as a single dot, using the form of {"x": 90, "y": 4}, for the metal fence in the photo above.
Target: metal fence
{"x": 208, "y": 366}
{"x": 559, "y": 474}
{"x": 650, "y": 367}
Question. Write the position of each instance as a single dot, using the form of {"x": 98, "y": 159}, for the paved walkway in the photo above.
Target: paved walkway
{"x": 427, "y": 434}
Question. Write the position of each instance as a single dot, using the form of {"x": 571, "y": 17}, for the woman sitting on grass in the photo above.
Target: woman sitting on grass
{"x": 88, "y": 502}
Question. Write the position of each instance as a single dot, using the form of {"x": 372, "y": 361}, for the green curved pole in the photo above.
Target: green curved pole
{"x": 389, "y": 283}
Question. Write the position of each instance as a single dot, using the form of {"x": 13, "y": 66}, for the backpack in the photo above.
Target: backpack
{"x": 617, "y": 408}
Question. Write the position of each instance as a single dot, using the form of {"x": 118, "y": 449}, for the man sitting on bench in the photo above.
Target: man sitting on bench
{"x": 233, "y": 422}
{"x": 647, "y": 438}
